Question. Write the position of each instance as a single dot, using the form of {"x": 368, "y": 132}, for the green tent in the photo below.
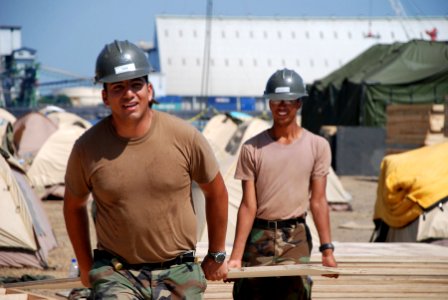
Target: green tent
{"x": 357, "y": 94}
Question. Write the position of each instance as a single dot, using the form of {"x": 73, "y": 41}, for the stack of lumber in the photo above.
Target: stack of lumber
{"x": 414, "y": 126}
{"x": 366, "y": 271}
{"x": 374, "y": 271}
{"x": 14, "y": 294}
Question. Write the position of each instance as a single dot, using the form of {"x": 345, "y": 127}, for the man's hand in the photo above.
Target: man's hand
{"x": 233, "y": 264}
{"x": 328, "y": 260}
{"x": 213, "y": 270}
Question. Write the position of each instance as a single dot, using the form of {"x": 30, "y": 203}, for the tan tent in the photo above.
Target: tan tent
{"x": 63, "y": 118}
{"x": 226, "y": 138}
{"x": 25, "y": 232}
{"x": 6, "y": 115}
{"x": 6, "y": 129}
{"x": 30, "y": 133}
{"x": 48, "y": 167}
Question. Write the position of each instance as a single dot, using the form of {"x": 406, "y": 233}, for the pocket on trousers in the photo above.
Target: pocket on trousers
{"x": 101, "y": 273}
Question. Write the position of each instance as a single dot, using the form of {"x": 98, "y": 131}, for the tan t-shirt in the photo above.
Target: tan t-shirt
{"x": 142, "y": 187}
{"x": 282, "y": 173}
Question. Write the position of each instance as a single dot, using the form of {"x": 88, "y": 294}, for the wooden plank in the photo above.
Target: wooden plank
{"x": 418, "y": 129}
{"x": 14, "y": 297}
{"x": 375, "y": 288}
{"x": 30, "y": 296}
{"x": 285, "y": 270}
{"x": 408, "y": 139}
{"x": 384, "y": 280}
{"x": 61, "y": 284}
{"x": 382, "y": 289}
{"x": 307, "y": 269}
{"x": 412, "y": 108}
{"x": 382, "y": 295}
{"x": 403, "y": 118}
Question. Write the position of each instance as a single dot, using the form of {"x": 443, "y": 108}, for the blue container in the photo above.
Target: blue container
{"x": 222, "y": 103}
{"x": 247, "y": 103}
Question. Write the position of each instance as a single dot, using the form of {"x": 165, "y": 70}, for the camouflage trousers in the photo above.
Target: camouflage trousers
{"x": 183, "y": 281}
{"x": 288, "y": 245}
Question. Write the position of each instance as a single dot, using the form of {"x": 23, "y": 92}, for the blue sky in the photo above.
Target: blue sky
{"x": 68, "y": 34}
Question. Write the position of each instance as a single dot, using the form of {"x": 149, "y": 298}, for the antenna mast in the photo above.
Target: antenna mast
{"x": 207, "y": 44}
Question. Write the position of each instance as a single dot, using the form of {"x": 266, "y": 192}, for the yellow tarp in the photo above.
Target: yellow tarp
{"x": 411, "y": 182}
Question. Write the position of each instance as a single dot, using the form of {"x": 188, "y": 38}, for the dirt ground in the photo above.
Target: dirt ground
{"x": 347, "y": 226}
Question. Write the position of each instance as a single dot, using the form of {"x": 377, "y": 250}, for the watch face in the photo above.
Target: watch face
{"x": 220, "y": 257}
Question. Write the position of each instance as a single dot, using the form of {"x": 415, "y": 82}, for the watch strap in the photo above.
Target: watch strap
{"x": 326, "y": 246}
{"x": 218, "y": 256}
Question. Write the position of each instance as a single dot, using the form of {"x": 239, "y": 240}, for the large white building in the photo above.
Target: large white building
{"x": 244, "y": 51}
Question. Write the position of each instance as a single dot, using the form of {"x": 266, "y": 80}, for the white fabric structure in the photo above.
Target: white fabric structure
{"x": 6, "y": 119}
{"x": 82, "y": 96}
{"x": 30, "y": 133}
{"x": 49, "y": 164}
{"x": 6, "y": 115}
{"x": 432, "y": 225}
{"x": 63, "y": 119}
{"x": 25, "y": 232}
{"x": 226, "y": 138}
{"x": 245, "y": 51}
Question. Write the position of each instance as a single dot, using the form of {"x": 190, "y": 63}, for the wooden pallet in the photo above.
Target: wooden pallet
{"x": 412, "y": 126}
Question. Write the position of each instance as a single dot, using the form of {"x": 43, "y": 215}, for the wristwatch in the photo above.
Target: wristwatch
{"x": 218, "y": 257}
{"x": 326, "y": 246}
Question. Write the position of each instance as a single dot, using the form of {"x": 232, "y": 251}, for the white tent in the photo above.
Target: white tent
{"x": 30, "y": 133}
{"x": 63, "y": 118}
{"x": 47, "y": 170}
{"x": 25, "y": 232}
{"x": 6, "y": 129}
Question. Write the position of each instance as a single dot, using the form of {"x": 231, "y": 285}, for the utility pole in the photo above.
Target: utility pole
{"x": 207, "y": 45}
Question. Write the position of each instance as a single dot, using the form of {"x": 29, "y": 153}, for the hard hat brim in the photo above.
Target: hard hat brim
{"x": 123, "y": 76}
{"x": 285, "y": 96}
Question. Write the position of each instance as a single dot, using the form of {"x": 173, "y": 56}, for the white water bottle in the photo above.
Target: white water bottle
{"x": 73, "y": 270}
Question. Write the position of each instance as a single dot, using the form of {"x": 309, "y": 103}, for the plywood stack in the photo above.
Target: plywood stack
{"x": 366, "y": 271}
{"x": 387, "y": 271}
{"x": 414, "y": 126}
{"x": 14, "y": 294}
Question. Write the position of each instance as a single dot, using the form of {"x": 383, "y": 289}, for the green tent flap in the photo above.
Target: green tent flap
{"x": 358, "y": 93}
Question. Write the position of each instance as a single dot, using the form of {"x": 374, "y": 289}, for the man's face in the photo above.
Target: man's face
{"x": 284, "y": 111}
{"x": 128, "y": 99}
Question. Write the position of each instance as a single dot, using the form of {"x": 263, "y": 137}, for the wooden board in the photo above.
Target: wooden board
{"x": 418, "y": 125}
{"x": 411, "y": 271}
{"x": 376, "y": 271}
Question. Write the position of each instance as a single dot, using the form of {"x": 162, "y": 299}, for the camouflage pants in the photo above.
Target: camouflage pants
{"x": 288, "y": 245}
{"x": 183, "y": 281}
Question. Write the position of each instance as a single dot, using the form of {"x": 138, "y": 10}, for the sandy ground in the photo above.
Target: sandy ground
{"x": 347, "y": 226}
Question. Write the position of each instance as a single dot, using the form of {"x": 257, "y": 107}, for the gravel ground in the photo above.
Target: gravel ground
{"x": 347, "y": 226}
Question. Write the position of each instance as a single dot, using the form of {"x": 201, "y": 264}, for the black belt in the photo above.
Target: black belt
{"x": 260, "y": 223}
{"x": 183, "y": 258}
